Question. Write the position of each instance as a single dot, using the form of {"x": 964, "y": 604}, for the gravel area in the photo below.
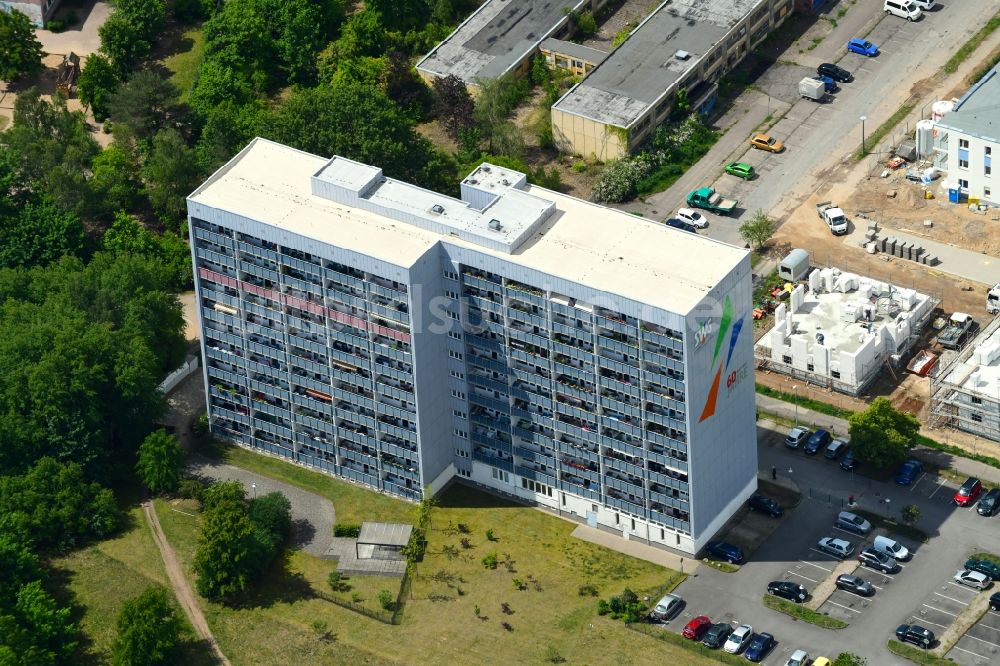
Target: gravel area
{"x": 312, "y": 515}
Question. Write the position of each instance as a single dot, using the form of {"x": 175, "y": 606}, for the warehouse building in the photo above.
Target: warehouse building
{"x": 572, "y": 355}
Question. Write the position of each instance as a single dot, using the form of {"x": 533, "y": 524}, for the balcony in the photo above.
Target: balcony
{"x": 574, "y": 486}
{"x": 494, "y": 461}
{"x": 630, "y": 507}
{"x": 535, "y": 474}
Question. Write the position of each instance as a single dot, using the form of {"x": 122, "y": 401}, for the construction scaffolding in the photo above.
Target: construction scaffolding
{"x": 956, "y": 399}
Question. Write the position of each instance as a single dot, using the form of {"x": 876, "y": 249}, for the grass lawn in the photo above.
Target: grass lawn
{"x": 104, "y": 576}
{"x": 800, "y": 612}
{"x": 184, "y": 64}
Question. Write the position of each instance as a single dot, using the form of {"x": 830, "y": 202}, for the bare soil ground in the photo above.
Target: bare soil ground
{"x": 629, "y": 11}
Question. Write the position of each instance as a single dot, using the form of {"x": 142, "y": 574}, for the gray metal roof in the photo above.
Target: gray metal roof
{"x": 640, "y": 71}
{"x": 385, "y": 534}
{"x": 498, "y": 36}
{"x": 978, "y": 112}
{"x": 574, "y": 50}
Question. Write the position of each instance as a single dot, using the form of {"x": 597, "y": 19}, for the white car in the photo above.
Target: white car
{"x": 836, "y": 547}
{"x": 666, "y": 608}
{"x": 796, "y": 437}
{"x": 692, "y": 217}
{"x": 738, "y": 639}
{"x": 972, "y": 579}
{"x": 798, "y": 658}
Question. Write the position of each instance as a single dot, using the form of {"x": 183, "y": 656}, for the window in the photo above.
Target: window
{"x": 835, "y": 374}
{"x": 455, "y": 354}
{"x": 458, "y": 394}
{"x": 963, "y": 164}
{"x": 617, "y": 520}
{"x": 633, "y": 524}
{"x": 663, "y": 534}
{"x": 459, "y": 413}
{"x": 457, "y": 375}
{"x": 451, "y": 275}
{"x": 451, "y": 294}
{"x": 466, "y": 473}
{"x": 564, "y": 499}
{"x": 453, "y": 315}
{"x": 964, "y": 184}
{"x": 461, "y": 433}
{"x": 501, "y": 475}
{"x": 461, "y": 454}
{"x": 455, "y": 334}
{"x": 786, "y": 360}
{"x": 989, "y": 151}
{"x": 988, "y": 170}
{"x": 978, "y": 418}
{"x": 963, "y": 143}
{"x": 986, "y": 191}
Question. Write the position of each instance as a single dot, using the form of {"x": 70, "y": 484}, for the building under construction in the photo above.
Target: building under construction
{"x": 965, "y": 395}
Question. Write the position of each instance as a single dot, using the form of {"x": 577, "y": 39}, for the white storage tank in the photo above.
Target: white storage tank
{"x": 941, "y": 108}
{"x": 925, "y": 138}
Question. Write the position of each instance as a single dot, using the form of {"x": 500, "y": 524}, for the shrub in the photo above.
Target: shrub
{"x": 579, "y": 166}
{"x": 351, "y": 530}
{"x": 55, "y": 25}
{"x": 506, "y": 626}
{"x": 587, "y": 590}
{"x": 190, "y": 489}
{"x": 552, "y": 655}
{"x": 356, "y": 598}
{"x": 505, "y": 607}
{"x": 337, "y": 582}
{"x": 490, "y": 536}
{"x": 463, "y": 528}
{"x": 385, "y": 600}
{"x": 466, "y": 543}
{"x": 603, "y": 608}
{"x": 519, "y": 584}
{"x": 490, "y": 561}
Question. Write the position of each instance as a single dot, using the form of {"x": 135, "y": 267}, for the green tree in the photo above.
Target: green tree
{"x": 910, "y": 514}
{"x": 127, "y": 35}
{"x": 38, "y": 233}
{"x": 145, "y": 103}
{"x": 115, "y": 180}
{"x": 148, "y": 630}
{"x": 494, "y": 110}
{"x": 273, "y": 514}
{"x": 171, "y": 173}
{"x": 364, "y": 34}
{"x": 849, "y": 659}
{"x": 161, "y": 461}
{"x": 223, "y": 491}
{"x": 881, "y": 435}
{"x": 453, "y": 104}
{"x": 225, "y": 559}
{"x": 757, "y": 230}
{"x": 41, "y": 632}
{"x": 97, "y": 84}
{"x": 20, "y": 50}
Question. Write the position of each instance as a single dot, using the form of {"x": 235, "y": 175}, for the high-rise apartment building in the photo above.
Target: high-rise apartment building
{"x": 573, "y": 355}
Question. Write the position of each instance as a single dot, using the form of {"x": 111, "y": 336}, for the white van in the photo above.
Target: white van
{"x": 903, "y": 9}
{"x": 925, "y": 5}
{"x": 891, "y": 548}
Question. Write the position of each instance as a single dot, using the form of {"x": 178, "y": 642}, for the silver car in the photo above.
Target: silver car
{"x": 666, "y": 608}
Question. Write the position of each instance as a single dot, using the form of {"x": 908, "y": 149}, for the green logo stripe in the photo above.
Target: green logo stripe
{"x": 727, "y": 317}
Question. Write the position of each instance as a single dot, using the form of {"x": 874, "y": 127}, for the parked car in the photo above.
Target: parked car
{"x": 666, "y": 608}
{"x": 798, "y": 658}
{"x": 855, "y": 584}
{"x": 721, "y": 550}
{"x": 990, "y": 503}
{"x": 786, "y": 589}
{"x": 741, "y": 170}
{"x": 849, "y": 461}
{"x": 836, "y": 73}
{"x": 681, "y": 224}
{"x": 817, "y": 441}
{"x": 969, "y": 491}
{"x": 862, "y": 47}
{"x": 766, "y": 142}
{"x": 821, "y": 661}
{"x": 975, "y": 579}
{"x": 760, "y": 645}
{"x": 796, "y": 436}
{"x": 995, "y": 601}
{"x": 692, "y": 217}
{"x": 852, "y": 522}
{"x": 893, "y": 549}
{"x": 909, "y": 471}
{"x": 697, "y": 627}
{"x": 985, "y": 567}
{"x": 765, "y": 505}
{"x": 717, "y": 635}
{"x": 912, "y": 633}
{"x": 873, "y": 559}
{"x": 836, "y": 547}
{"x": 836, "y": 449}
{"x": 738, "y": 639}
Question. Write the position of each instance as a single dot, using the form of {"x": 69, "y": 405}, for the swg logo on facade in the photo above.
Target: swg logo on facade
{"x": 726, "y": 327}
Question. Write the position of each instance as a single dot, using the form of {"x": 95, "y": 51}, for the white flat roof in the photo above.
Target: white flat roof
{"x": 594, "y": 246}
{"x": 980, "y": 372}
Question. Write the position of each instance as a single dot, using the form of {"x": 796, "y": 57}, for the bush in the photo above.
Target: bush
{"x": 349, "y": 530}
{"x": 385, "y": 600}
{"x": 587, "y": 590}
{"x": 603, "y": 608}
{"x": 586, "y": 23}
{"x": 190, "y": 489}
{"x": 490, "y": 536}
{"x": 55, "y": 25}
{"x": 519, "y": 584}
{"x": 490, "y": 561}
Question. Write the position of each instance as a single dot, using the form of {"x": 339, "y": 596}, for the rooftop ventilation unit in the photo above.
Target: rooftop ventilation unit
{"x": 682, "y": 55}
{"x": 437, "y": 209}
{"x": 495, "y": 225}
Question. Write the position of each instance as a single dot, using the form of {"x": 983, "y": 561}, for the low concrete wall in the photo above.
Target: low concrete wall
{"x": 178, "y": 375}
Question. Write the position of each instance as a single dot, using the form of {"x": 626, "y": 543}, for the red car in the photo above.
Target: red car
{"x": 969, "y": 491}
{"x": 696, "y": 627}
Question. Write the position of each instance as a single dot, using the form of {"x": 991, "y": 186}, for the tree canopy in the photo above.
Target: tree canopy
{"x": 149, "y": 629}
{"x": 881, "y": 435}
{"x": 161, "y": 461}
{"x": 20, "y": 50}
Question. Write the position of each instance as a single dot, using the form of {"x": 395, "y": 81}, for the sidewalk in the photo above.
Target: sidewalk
{"x": 636, "y": 549}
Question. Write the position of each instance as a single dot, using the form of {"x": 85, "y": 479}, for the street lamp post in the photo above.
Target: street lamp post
{"x": 863, "y": 119}
{"x": 254, "y": 486}
{"x": 795, "y": 399}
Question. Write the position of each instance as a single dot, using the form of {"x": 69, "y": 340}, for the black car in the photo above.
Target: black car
{"x": 818, "y": 440}
{"x": 871, "y": 558}
{"x": 786, "y": 589}
{"x": 995, "y": 601}
{"x": 984, "y": 567}
{"x": 836, "y": 73}
{"x": 990, "y": 503}
{"x": 912, "y": 633}
{"x": 855, "y": 584}
{"x": 717, "y": 635}
{"x": 766, "y": 505}
{"x": 726, "y": 552}
{"x": 848, "y": 462}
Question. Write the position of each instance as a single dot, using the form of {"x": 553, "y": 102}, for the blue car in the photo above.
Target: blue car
{"x": 909, "y": 472}
{"x": 828, "y": 84}
{"x": 862, "y": 46}
{"x": 759, "y": 646}
{"x": 818, "y": 440}
{"x": 726, "y": 552}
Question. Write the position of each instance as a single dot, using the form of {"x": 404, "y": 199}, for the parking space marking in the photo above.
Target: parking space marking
{"x": 806, "y": 577}
{"x": 984, "y": 626}
{"x": 964, "y": 588}
{"x": 849, "y": 532}
{"x": 974, "y": 654}
{"x": 876, "y": 586}
{"x": 982, "y": 640}
{"x": 939, "y": 610}
{"x": 834, "y": 603}
{"x": 814, "y": 564}
{"x": 945, "y": 596}
{"x": 940, "y": 483}
{"x": 917, "y": 482}
{"x": 926, "y": 621}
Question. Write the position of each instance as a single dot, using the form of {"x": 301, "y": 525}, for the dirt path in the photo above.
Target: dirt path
{"x": 182, "y": 589}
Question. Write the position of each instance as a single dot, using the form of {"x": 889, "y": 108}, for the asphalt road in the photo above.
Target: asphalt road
{"x": 955, "y": 533}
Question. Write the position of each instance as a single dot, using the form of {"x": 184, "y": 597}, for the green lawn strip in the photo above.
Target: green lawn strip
{"x": 724, "y": 567}
{"x": 989, "y": 557}
{"x": 184, "y": 65}
{"x": 964, "y": 51}
{"x": 695, "y": 647}
{"x": 917, "y": 655}
{"x": 882, "y": 130}
{"x": 907, "y": 531}
{"x": 805, "y": 403}
{"x": 956, "y": 451}
{"x": 802, "y": 613}
{"x": 352, "y": 503}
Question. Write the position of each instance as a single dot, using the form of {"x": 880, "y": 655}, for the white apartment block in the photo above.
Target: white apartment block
{"x": 972, "y": 140}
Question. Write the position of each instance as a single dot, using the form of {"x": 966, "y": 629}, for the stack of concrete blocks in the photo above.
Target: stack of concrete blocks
{"x": 906, "y": 250}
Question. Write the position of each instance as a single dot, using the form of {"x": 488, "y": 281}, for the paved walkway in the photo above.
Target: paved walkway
{"x": 312, "y": 515}
{"x": 181, "y": 587}
{"x": 635, "y": 549}
{"x": 82, "y": 39}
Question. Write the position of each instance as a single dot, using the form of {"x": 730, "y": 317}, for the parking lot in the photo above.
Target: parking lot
{"x": 981, "y": 644}
{"x": 942, "y": 604}
{"x": 782, "y": 650}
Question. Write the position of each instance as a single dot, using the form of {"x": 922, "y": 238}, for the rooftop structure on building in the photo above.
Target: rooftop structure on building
{"x": 977, "y": 113}
{"x": 573, "y": 355}
{"x": 839, "y": 329}
{"x": 965, "y": 393}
